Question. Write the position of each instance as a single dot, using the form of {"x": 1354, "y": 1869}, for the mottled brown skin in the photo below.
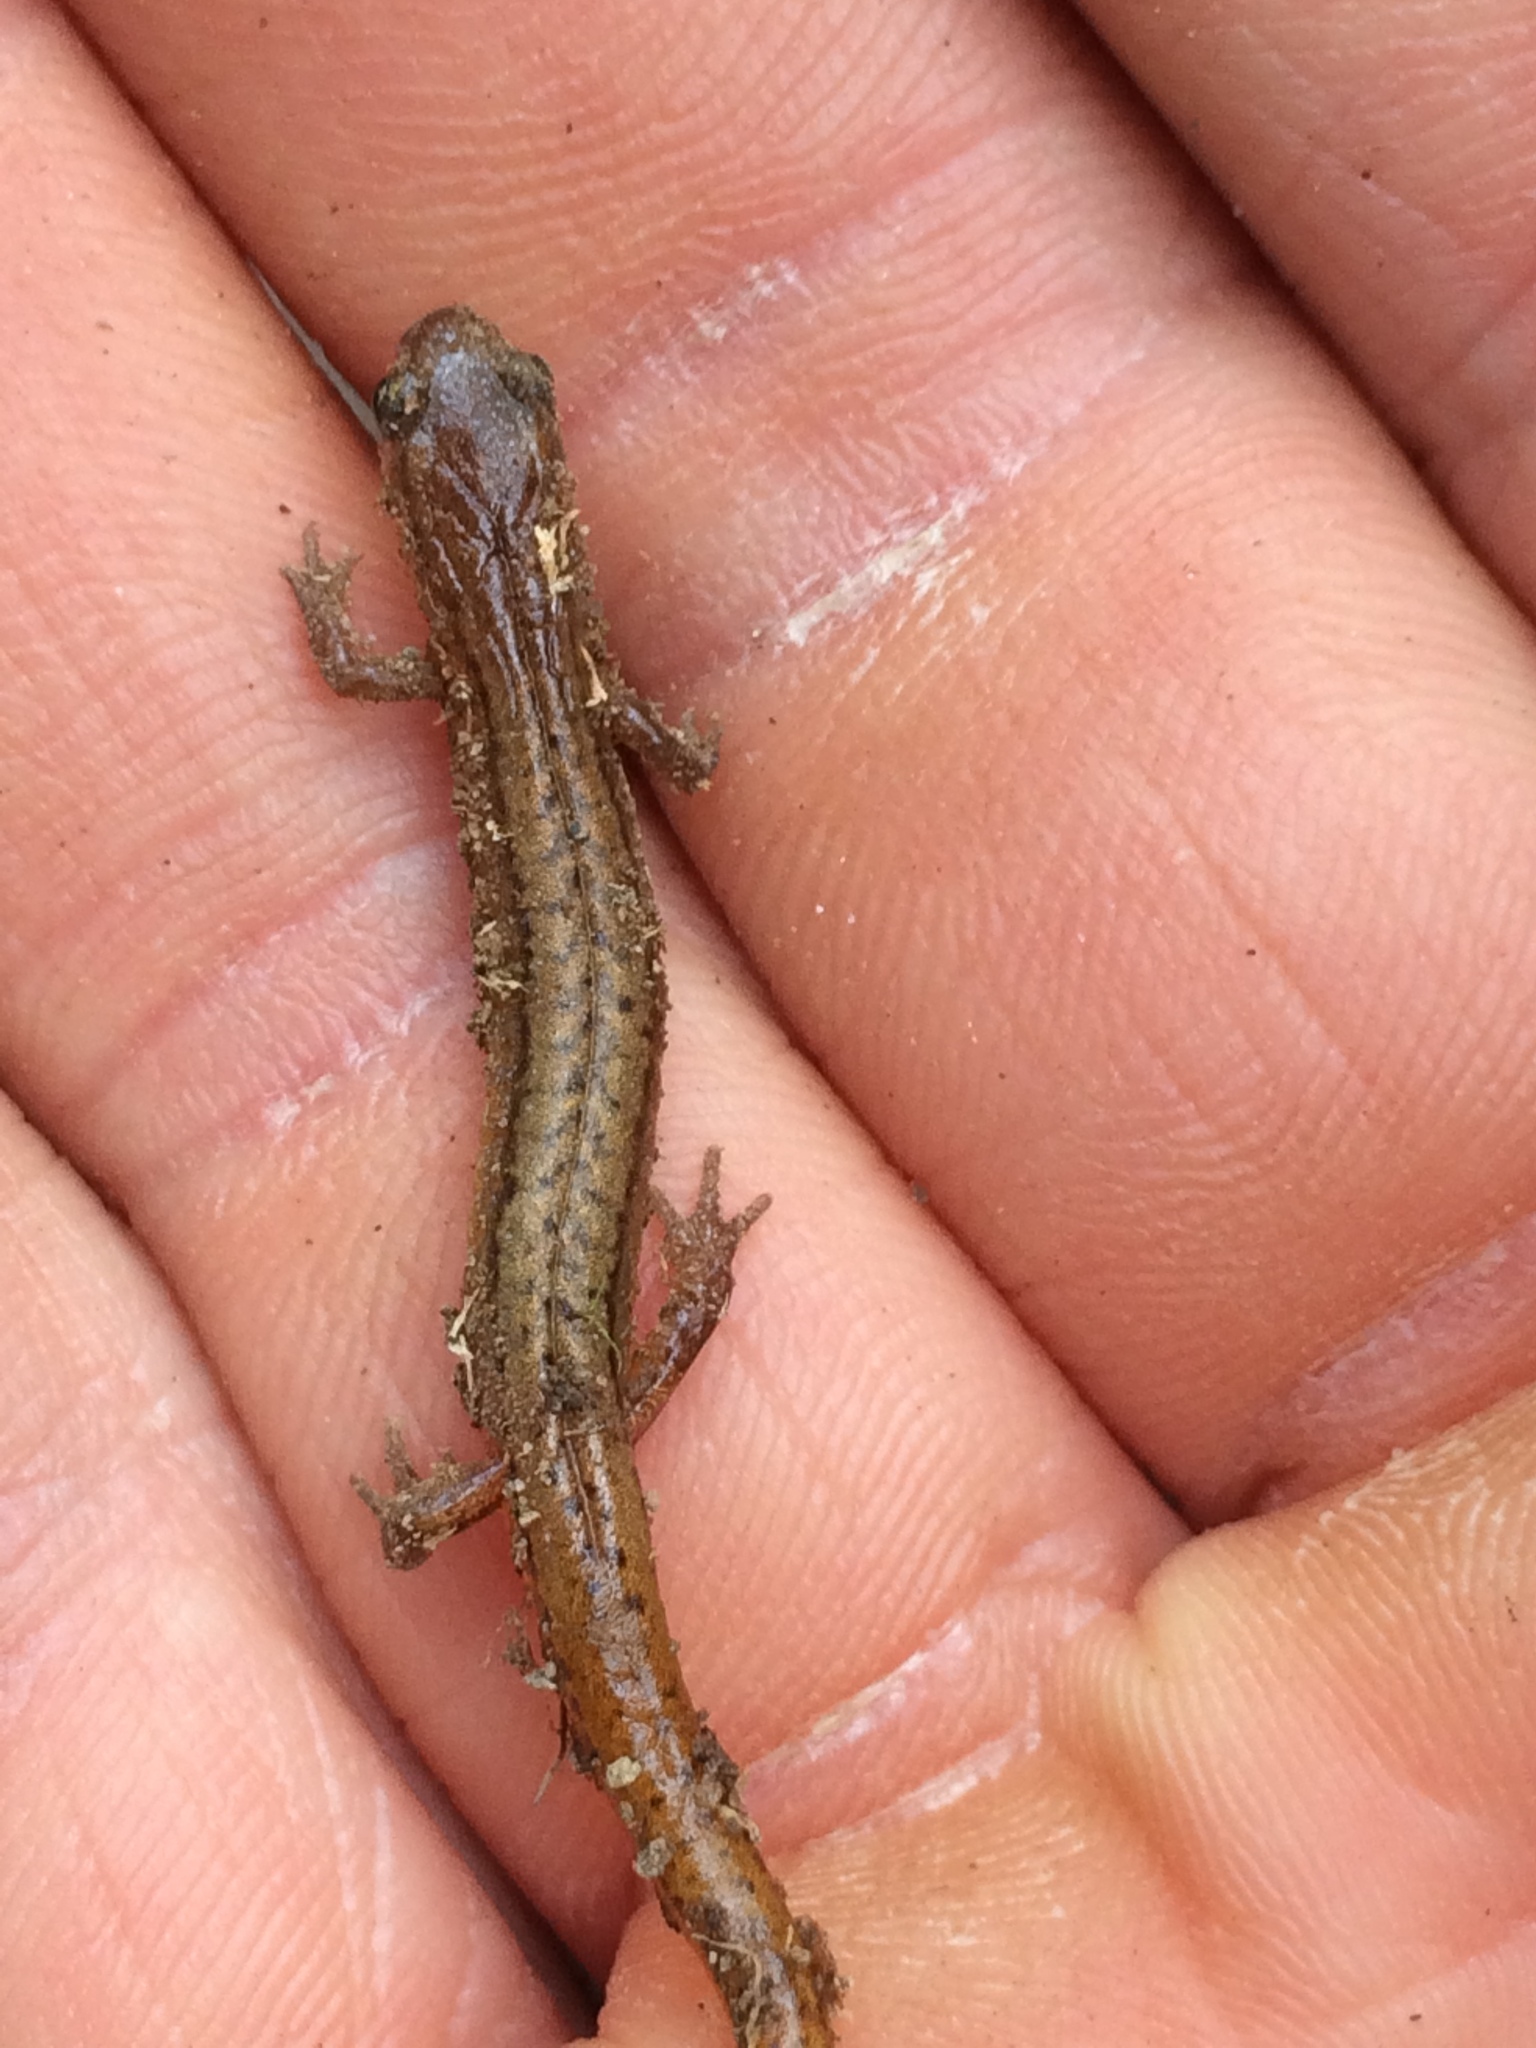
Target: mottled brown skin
{"x": 567, "y": 949}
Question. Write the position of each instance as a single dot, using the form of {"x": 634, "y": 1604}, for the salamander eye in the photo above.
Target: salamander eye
{"x": 528, "y": 378}
{"x": 398, "y": 400}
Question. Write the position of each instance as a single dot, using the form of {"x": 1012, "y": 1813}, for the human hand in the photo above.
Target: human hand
{"x": 1126, "y": 804}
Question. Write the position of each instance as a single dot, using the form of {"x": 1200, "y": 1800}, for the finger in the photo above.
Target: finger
{"x": 1382, "y": 156}
{"x": 199, "y": 1812}
{"x": 1286, "y": 1799}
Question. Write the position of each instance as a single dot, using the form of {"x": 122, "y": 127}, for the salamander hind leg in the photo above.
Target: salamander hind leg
{"x": 426, "y": 1508}
{"x": 698, "y": 1253}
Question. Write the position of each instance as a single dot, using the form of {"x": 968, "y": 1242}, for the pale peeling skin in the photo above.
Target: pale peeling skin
{"x": 567, "y": 950}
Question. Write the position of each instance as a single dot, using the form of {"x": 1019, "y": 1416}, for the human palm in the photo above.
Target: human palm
{"x": 1124, "y": 834}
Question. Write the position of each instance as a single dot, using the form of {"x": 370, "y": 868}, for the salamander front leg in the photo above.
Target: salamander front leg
{"x": 350, "y": 662}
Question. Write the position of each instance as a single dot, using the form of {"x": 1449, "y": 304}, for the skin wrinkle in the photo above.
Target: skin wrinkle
{"x": 362, "y": 1948}
{"x": 993, "y": 1648}
{"x": 1307, "y": 153}
{"x": 270, "y": 1099}
{"x": 1246, "y": 922}
{"x": 875, "y": 1707}
{"x": 1049, "y": 391}
{"x": 914, "y": 550}
{"x": 1399, "y": 1364}
{"x": 281, "y": 1113}
{"x": 905, "y": 557}
{"x": 871, "y": 1703}
{"x": 1381, "y": 2018}
{"x": 1195, "y": 1108}
{"x": 383, "y": 1929}
{"x": 948, "y": 1787}
{"x": 856, "y": 240}
{"x": 361, "y": 1866}
{"x": 1462, "y": 371}
{"x": 715, "y": 319}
